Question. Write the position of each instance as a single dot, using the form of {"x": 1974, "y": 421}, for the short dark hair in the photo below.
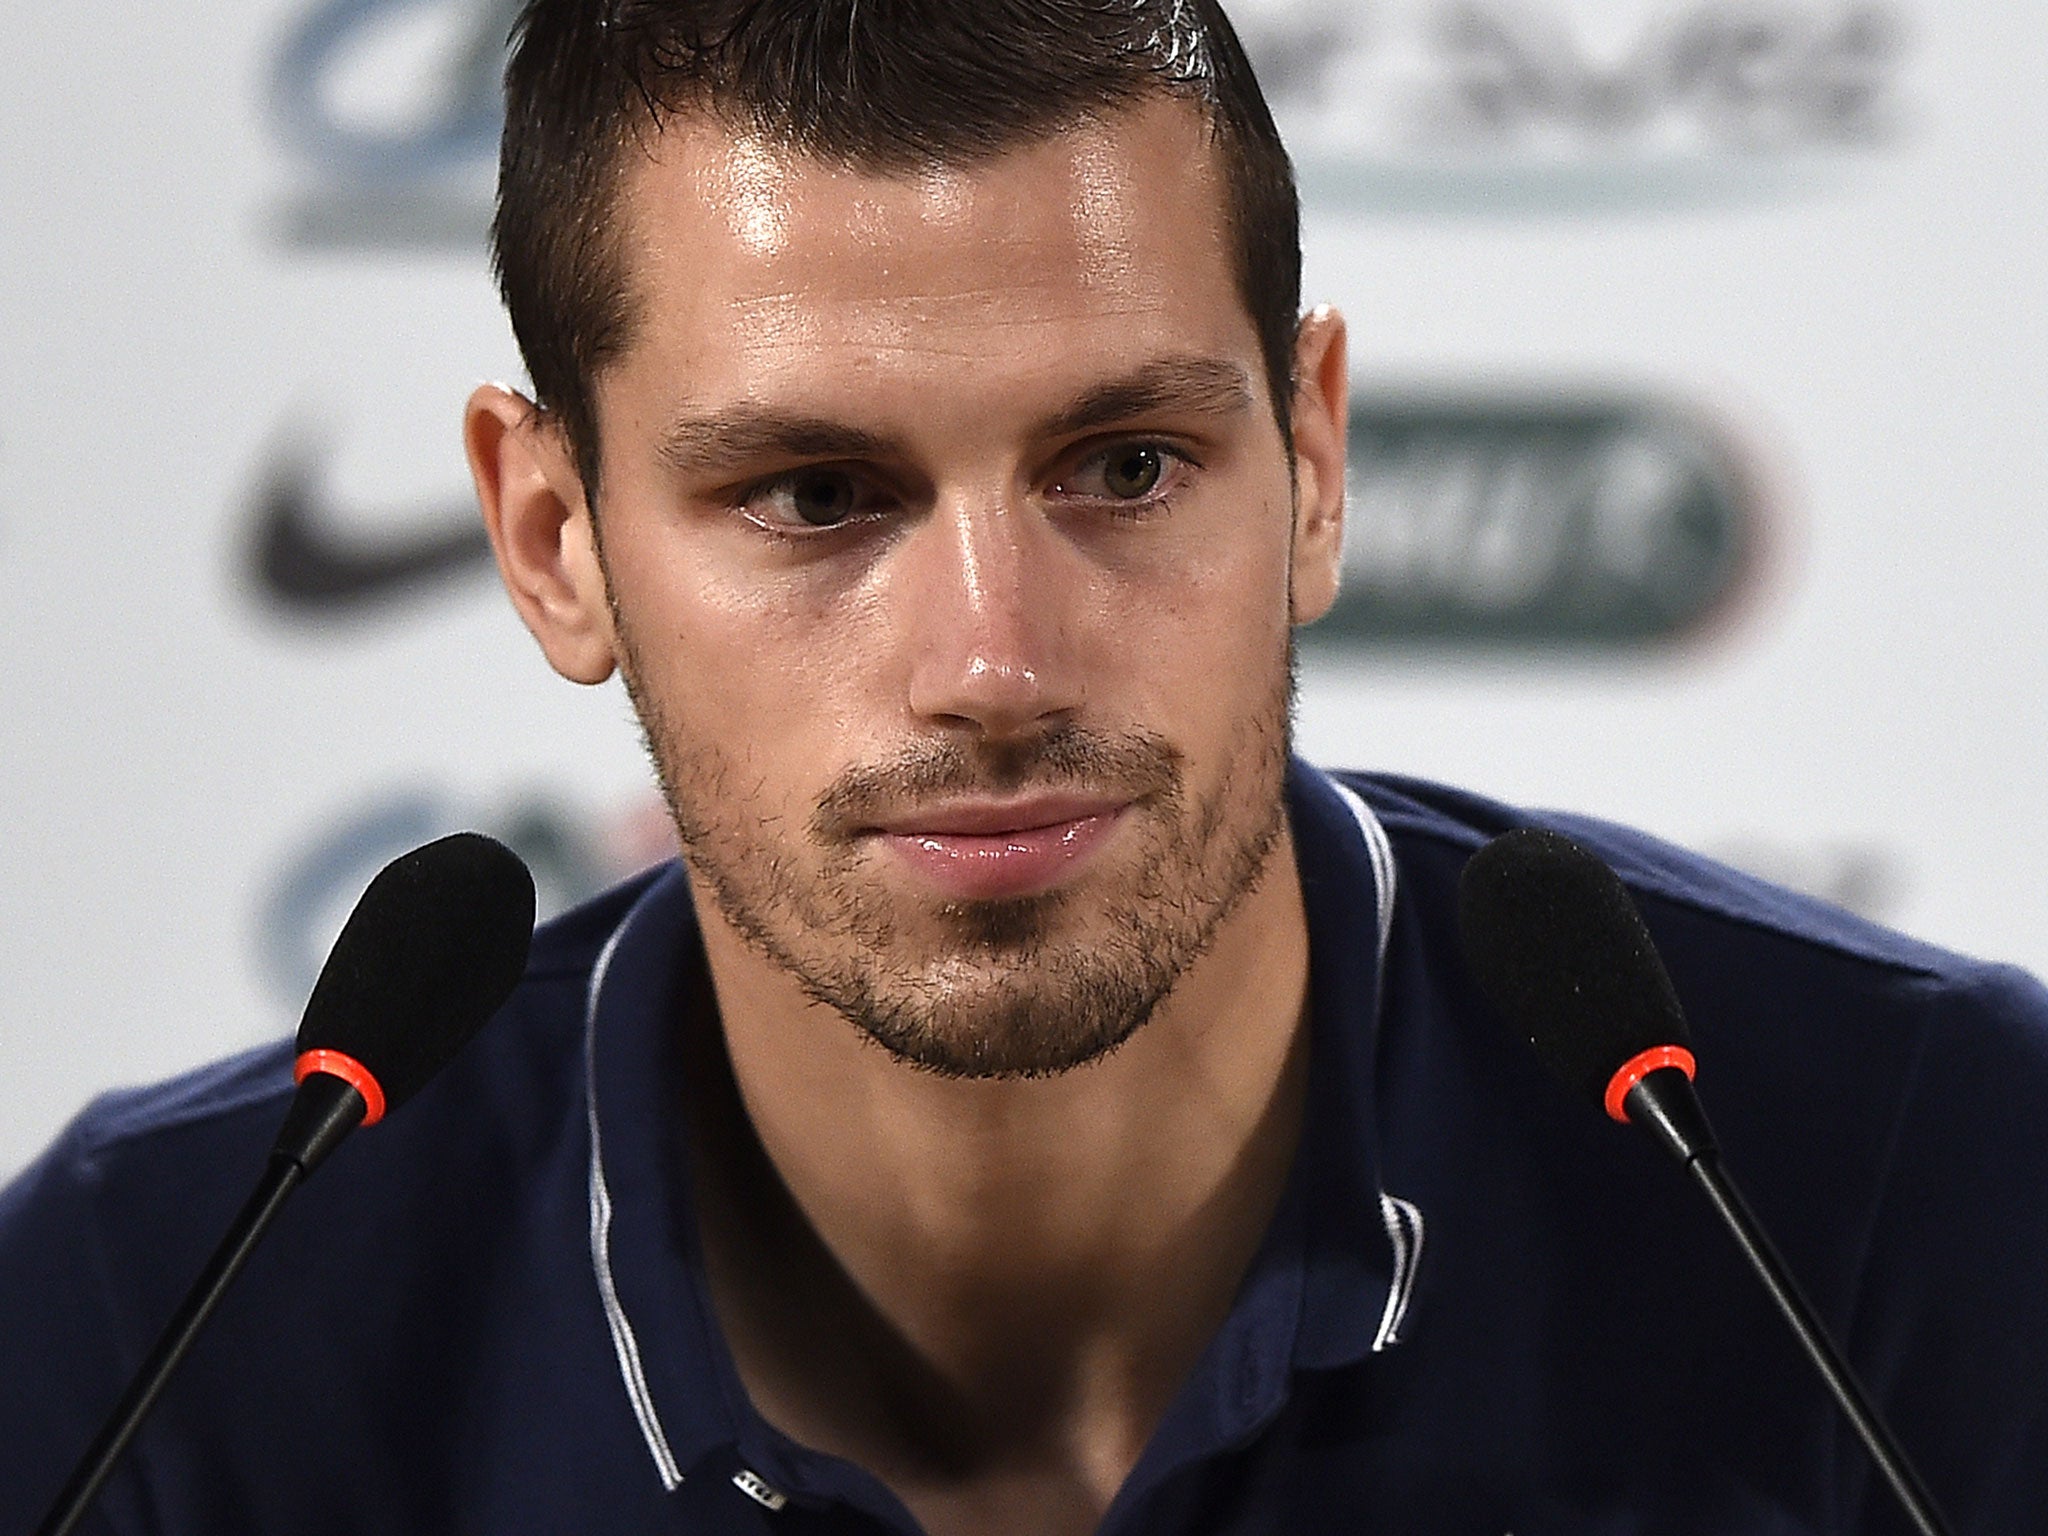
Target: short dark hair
{"x": 877, "y": 85}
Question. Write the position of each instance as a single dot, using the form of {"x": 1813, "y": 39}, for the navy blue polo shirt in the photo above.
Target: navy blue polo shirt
{"x": 1480, "y": 1308}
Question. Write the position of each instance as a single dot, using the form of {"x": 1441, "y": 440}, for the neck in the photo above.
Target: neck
{"x": 1025, "y": 1269}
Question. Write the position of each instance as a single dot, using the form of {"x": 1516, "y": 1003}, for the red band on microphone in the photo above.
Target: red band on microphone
{"x": 1636, "y": 1068}
{"x": 350, "y": 1071}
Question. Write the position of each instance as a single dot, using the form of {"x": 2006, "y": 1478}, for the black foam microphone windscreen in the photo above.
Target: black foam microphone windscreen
{"x": 1556, "y": 944}
{"x": 431, "y": 951}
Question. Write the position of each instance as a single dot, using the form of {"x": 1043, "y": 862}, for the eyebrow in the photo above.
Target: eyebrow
{"x": 1203, "y": 386}
{"x": 745, "y": 434}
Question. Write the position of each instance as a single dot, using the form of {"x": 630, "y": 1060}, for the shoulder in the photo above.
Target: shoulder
{"x": 1873, "y": 1093}
{"x": 132, "y": 1144}
{"x": 452, "y": 1226}
{"x": 1788, "y": 992}
{"x": 1800, "y": 1011}
{"x": 1435, "y": 828}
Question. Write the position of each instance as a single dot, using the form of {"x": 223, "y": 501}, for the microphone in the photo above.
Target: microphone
{"x": 1556, "y": 944}
{"x": 434, "y": 946}
{"x": 432, "y": 950}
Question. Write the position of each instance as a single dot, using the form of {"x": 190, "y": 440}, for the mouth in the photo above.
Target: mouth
{"x": 996, "y": 850}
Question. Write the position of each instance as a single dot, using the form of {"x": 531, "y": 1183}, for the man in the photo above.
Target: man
{"x": 1034, "y": 1104}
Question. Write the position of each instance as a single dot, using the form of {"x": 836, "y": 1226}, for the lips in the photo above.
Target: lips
{"x": 989, "y": 851}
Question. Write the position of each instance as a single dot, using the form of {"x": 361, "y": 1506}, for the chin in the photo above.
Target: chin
{"x": 995, "y": 1029}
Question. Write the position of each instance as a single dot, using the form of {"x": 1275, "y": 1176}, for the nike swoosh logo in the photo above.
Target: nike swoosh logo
{"x": 300, "y": 558}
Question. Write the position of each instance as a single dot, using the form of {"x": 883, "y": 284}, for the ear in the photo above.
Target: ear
{"x": 1321, "y": 422}
{"x": 540, "y": 527}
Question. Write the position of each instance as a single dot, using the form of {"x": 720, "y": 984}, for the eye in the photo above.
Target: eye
{"x": 1130, "y": 472}
{"x": 809, "y": 500}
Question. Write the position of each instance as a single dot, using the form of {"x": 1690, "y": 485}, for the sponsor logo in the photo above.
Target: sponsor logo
{"x": 1529, "y": 106}
{"x": 1514, "y": 106}
{"x": 393, "y": 107}
{"x": 312, "y": 561}
{"x": 1489, "y": 521}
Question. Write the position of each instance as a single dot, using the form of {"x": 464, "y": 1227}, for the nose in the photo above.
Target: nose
{"x": 990, "y": 598}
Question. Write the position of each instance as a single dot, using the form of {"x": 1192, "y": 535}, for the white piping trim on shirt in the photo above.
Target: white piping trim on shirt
{"x": 1402, "y": 1218}
{"x": 624, "y": 1344}
{"x": 1381, "y": 852}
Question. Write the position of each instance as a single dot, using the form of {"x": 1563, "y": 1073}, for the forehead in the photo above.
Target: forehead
{"x": 752, "y": 268}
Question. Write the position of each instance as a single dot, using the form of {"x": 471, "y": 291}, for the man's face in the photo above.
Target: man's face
{"x": 947, "y": 537}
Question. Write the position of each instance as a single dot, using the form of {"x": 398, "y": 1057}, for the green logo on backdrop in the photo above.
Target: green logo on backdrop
{"x": 1535, "y": 525}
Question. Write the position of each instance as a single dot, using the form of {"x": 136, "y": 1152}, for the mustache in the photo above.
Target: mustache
{"x": 1132, "y": 765}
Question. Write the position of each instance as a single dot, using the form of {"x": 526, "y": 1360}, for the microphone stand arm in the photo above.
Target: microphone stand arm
{"x": 324, "y": 1111}
{"x": 1665, "y": 1105}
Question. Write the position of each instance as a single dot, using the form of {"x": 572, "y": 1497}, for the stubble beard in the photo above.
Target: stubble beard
{"x": 1022, "y": 987}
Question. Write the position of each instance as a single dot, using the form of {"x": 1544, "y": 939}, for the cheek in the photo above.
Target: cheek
{"x": 1212, "y": 604}
{"x": 734, "y": 657}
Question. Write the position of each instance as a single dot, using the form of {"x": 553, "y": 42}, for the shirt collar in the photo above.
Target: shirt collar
{"x": 1363, "y": 1242}
{"x": 643, "y": 1227}
{"x": 1329, "y": 1284}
